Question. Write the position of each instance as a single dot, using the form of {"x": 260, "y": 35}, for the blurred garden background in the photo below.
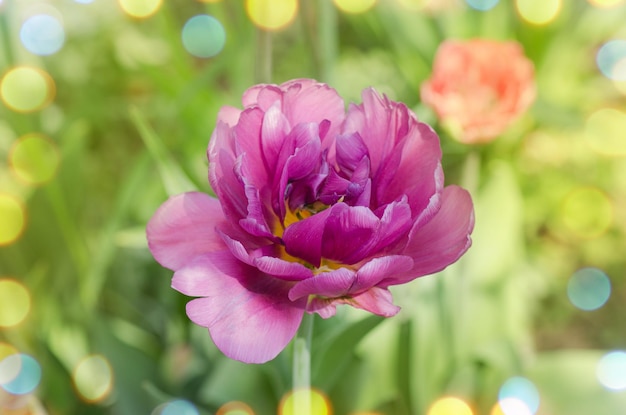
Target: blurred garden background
{"x": 108, "y": 107}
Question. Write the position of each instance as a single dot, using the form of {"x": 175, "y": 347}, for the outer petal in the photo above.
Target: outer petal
{"x": 376, "y": 300}
{"x": 224, "y": 182}
{"x": 441, "y": 241}
{"x": 183, "y": 228}
{"x": 328, "y": 284}
{"x": 399, "y": 146}
{"x": 306, "y": 100}
{"x": 279, "y": 268}
{"x": 247, "y": 312}
{"x": 345, "y": 282}
{"x": 229, "y": 115}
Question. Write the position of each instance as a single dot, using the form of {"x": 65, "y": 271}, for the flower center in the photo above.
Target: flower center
{"x": 299, "y": 214}
{"x": 302, "y": 213}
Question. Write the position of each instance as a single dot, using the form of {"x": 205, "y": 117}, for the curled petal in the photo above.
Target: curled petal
{"x": 355, "y": 233}
{"x": 376, "y": 270}
{"x": 222, "y": 177}
{"x": 247, "y": 312}
{"x": 442, "y": 240}
{"x": 350, "y": 151}
{"x": 262, "y": 95}
{"x": 228, "y": 115}
{"x": 375, "y": 300}
{"x": 417, "y": 161}
{"x": 345, "y": 282}
{"x": 328, "y": 284}
{"x": 274, "y": 130}
{"x": 255, "y": 223}
{"x": 247, "y": 134}
{"x": 348, "y": 232}
{"x": 286, "y": 270}
{"x": 183, "y": 228}
{"x": 303, "y": 239}
{"x": 306, "y": 100}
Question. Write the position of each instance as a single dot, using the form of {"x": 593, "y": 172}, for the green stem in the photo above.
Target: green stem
{"x": 405, "y": 360}
{"x": 302, "y": 367}
{"x": 5, "y": 33}
{"x": 326, "y": 39}
{"x": 263, "y": 58}
{"x": 68, "y": 225}
{"x": 471, "y": 172}
{"x": 446, "y": 323}
{"x": 320, "y": 23}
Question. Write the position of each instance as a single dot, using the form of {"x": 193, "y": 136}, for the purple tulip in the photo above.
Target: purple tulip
{"x": 315, "y": 207}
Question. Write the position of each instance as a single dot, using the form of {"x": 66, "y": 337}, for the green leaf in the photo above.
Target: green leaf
{"x": 331, "y": 355}
{"x": 174, "y": 178}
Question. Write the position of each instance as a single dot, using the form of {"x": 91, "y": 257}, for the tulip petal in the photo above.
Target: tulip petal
{"x": 255, "y": 223}
{"x": 306, "y": 100}
{"x": 334, "y": 283}
{"x": 262, "y": 95}
{"x": 185, "y": 227}
{"x": 273, "y": 132}
{"x": 350, "y": 151}
{"x": 247, "y": 312}
{"x": 354, "y": 233}
{"x": 229, "y": 115}
{"x": 375, "y": 300}
{"x": 376, "y": 270}
{"x": 303, "y": 239}
{"x": 224, "y": 182}
{"x": 279, "y": 268}
{"x": 442, "y": 240}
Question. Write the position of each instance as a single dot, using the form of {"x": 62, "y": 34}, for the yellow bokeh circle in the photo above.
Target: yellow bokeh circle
{"x": 415, "y": 5}
{"x": 140, "y": 8}
{"x": 587, "y": 212}
{"x": 93, "y": 378}
{"x": 235, "y": 408}
{"x": 12, "y": 219}
{"x": 26, "y": 89}
{"x": 354, "y": 6}
{"x": 620, "y": 86}
{"x": 34, "y": 158}
{"x": 450, "y": 406}
{"x": 272, "y": 14}
{"x": 14, "y": 302}
{"x": 605, "y": 3}
{"x": 538, "y": 12}
{"x": 604, "y": 132}
{"x": 510, "y": 406}
{"x": 320, "y": 405}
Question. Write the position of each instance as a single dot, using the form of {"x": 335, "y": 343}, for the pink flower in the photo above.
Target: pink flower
{"x": 479, "y": 87}
{"x": 316, "y": 207}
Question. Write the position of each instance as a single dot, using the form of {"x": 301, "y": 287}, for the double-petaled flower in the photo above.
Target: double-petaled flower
{"x": 315, "y": 207}
{"x": 479, "y": 87}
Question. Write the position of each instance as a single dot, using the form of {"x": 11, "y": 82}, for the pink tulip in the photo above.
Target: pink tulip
{"x": 315, "y": 207}
{"x": 479, "y": 87}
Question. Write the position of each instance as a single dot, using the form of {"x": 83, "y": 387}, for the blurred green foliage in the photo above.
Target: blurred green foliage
{"x": 131, "y": 119}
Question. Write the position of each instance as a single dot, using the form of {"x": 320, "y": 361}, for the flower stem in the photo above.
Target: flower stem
{"x": 471, "y": 172}
{"x": 263, "y": 58}
{"x": 302, "y": 367}
{"x": 327, "y": 39}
